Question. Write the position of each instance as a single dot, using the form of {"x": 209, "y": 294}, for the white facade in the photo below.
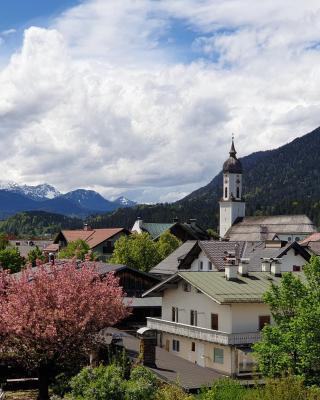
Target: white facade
{"x": 229, "y": 212}
{"x": 237, "y": 325}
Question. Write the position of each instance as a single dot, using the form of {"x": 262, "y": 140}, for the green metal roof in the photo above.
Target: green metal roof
{"x": 156, "y": 229}
{"x": 242, "y": 290}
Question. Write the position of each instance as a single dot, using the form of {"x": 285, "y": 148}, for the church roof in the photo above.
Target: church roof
{"x": 232, "y": 164}
{"x": 266, "y": 227}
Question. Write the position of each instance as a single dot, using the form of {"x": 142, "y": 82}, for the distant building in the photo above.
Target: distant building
{"x": 182, "y": 230}
{"x": 100, "y": 241}
{"x": 234, "y": 225}
{"x": 312, "y": 243}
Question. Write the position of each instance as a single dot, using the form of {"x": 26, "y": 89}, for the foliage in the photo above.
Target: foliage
{"x": 292, "y": 345}
{"x": 107, "y": 383}
{"x": 213, "y": 234}
{"x": 166, "y": 244}
{"x": 38, "y": 224}
{"x": 101, "y": 383}
{"x": 141, "y": 252}
{"x": 78, "y": 249}
{"x": 4, "y": 241}
{"x": 45, "y": 324}
{"x": 224, "y": 389}
{"x": 172, "y": 392}
{"x": 35, "y": 255}
{"x": 10, "y": 259}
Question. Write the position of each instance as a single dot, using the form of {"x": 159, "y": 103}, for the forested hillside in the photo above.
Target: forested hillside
{"x": 281, "y": 181}
{"x": 38, "y": 223}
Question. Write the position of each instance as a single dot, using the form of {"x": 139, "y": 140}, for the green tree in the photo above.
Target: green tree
{"x": 4, "y": 242}
{"x": 79, "y": 248}
{"x": 136, "y": 251}
{"x": 213, "y": 234}
{"x": 34, "y": 255}
{"x": 141, "y": 252}
{"x": 166, "y": 244}
{"x": 292, "y": 345}
{"x": 11, "y": 259}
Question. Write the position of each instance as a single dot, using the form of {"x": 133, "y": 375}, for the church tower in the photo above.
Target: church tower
{"x": 232, "y": 205}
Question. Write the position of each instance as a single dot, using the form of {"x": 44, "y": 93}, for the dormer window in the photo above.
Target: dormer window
{"x": 200, "y": 265}
{"x": 209, "y": 266}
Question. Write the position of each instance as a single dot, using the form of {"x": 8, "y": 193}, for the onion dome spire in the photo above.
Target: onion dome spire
{"x": 232, "y": 164}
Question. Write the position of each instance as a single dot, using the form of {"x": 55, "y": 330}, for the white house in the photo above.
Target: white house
{"x": 213, "y": 318}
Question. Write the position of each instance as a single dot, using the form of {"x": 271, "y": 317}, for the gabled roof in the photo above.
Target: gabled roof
{"x": 93, "y": 237}
{"x": 169, "y": 265}
{"x": 266, "y": 227}
{"x": 249, "y": 289}
{"x": 156, "y": 229}
{"x": 215, "y": 251}
{"x": 254, "y": 251}
{"x": 314, "y": 237}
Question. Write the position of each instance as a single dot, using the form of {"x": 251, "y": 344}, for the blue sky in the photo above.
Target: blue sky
{"x": 15, "y": 14}
{"x": 140, "y": 98}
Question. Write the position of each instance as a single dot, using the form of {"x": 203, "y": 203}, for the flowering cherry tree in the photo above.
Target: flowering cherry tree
{"x": 48, "y": 315}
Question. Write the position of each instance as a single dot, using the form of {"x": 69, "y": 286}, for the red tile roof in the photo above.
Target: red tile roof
{"x": 93, "y": 237}
{"x": 314, "y": 237}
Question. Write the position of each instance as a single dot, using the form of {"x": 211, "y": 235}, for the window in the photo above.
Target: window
{"x": 225, "y": 192}
{"x": 263, "y": 320}
{"x": 193, "y": 317}
{"x": 175, "y": 314}
{"x": 218, "y": 356}
{"x": 297, "y": 239}
{"x": 214, "y": 322}
{"x": 187, "y": 287}
{"x": 209, "y": 266}
{"x": 289, "y": 238}
{"x": 200, "y": 265}
{"x": 238, "y": 192}
{"x": 175, "y": 345}
{"x": 296, "y": 268}
{"x": 193, "y": 346}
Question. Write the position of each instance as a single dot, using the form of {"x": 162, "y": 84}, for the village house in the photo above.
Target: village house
{"x": 182, "y": 230}
{"x": 100, "y": 241}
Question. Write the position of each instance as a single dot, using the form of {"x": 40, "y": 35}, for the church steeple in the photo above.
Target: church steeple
{"x": 232, "y": 205}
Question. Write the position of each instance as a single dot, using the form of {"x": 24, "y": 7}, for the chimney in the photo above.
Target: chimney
{"x": 86, "y": 227}
{"x": 175, "y": 219}
{"x": 230, "y": 267}
{"x": 243, "y": 266}
{"x": 265, "y": 264}
{"x": 276, "y": 267}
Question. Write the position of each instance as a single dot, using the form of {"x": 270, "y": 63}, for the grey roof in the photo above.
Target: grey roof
{"x": 216, "y": 250}
{"x": 169, "y": 265}
{"x": 257, "y": 250}
{"x": 266, "y": 227}
{"x": 244, "y": 289}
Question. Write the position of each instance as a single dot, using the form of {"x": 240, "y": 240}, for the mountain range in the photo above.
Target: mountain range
{"x": 285, "y": 180}
{"x": 77, "y": 203}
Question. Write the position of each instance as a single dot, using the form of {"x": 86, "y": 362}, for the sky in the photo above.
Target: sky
{"x": 141, "y": 97}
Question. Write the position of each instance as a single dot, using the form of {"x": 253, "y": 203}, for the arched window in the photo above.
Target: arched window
{"x": 225, "y": 192}
{"x": 238, "y": 192}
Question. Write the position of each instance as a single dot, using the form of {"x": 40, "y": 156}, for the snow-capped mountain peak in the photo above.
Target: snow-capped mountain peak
{"x": 124, "y": 202}
{"x": 40, "y": 192}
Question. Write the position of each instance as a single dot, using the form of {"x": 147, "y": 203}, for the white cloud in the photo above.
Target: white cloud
{"x": 97, "y": 100}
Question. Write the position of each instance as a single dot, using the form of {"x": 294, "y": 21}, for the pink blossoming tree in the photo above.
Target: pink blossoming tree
{"x": 48, "y": 315}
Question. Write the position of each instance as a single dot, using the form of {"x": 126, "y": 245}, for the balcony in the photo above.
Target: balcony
{"x": 208, "y": 335}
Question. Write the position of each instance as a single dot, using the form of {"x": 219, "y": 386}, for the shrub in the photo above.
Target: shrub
{"x": 172, "y": 392}
{"x": 224, "y": 389}
{"x": 102, "y": 383}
